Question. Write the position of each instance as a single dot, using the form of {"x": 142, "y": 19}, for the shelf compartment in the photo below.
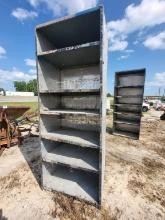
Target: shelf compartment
{"x": 128, "y": 108}
{"x": 127, "y": 127}
{"x": 74, "y": 101}
{"x": 131, "y": 79}
{"x": 126, "y": 134}
{"x": 76, "y": 137}
{"x": 70, "y": 155}
{"x": 77, "y": 183}
{"x": 87, "y": 54}
{"x": 51, "y": 123}
{"x": 129, "y": 100}
{"x": 69, "y": 31}
{"x": 128, "y": 122}
{"x": 70, "y": 112}
{"x": 121, "y": 91}
{"x": 131, "y": 114}
{"x": 74, "y": 79}
{"x": 130, "y": 117}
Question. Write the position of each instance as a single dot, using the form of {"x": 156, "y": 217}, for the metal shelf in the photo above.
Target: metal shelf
{"x": 131, "y": 104}
{"x": 71, "y": 155}
{"x": 76, "y": 137}
{"x": 137, "y": 86}
{"x": 127, "y": 113}
{"x": 71, "y": 66}
{"x": 81, "y": 55}
{"x": 55, "y": 91}
{"x": 128, "y": 122}
{"x": 129, "y": 96}
{"x": 128, "y": 93}
{"x": 70, "y": 112}
{"x": 83, "y": 185}
{"x": 126, "y": 134}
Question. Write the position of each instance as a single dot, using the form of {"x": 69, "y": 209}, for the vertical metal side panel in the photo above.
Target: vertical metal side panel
{"x": 103, "y": 81}
{"x": 128, "y": 100}
{"x": 114, "y": 101}
{"x": 38, "y": 89}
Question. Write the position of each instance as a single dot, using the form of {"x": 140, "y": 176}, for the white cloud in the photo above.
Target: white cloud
{"x": 123, "y": 57}
{"x": 117, "y": 44}
{"x": 156, "y": 41}
{"x": 126, "y": 54}
{"x": 129, "y": 51}
{"x": 135, "y": 42}
{"x": 2, "y": 52}
{"x": 14, "y": 74}
{"x": 23, "y": 14}
{"x": 61, "y": 7}
{"x": 30, "y": 62}
{"x": 34, "y": 3}
{"x": 147, "y": 14}
{"x": 32, "y": 71}
{"x": 159, "y": 80}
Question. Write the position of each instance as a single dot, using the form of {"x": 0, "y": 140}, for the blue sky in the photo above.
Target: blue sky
{"x": 136, "y": 31}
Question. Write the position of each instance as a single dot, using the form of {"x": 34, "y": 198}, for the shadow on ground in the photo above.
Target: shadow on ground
{"x": 31, "y": 152}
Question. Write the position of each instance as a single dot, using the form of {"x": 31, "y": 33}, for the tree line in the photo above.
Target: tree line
{"x": 22, "y": 86}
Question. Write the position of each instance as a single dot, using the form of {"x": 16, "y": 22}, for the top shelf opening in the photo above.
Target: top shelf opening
{"x": 130, "y": 79}
{"x": 74, "y": 30}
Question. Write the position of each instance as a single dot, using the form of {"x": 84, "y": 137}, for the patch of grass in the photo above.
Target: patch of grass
{"x": 66, "y": 207}
{"x": 11, "y": 181}
{"x": 152, "y": 164}
{"x": 135, "y": 186}
{"x": 32, "y": 105}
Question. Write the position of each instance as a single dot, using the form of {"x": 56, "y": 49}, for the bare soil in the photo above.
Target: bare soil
{"x": 134, "y": 180}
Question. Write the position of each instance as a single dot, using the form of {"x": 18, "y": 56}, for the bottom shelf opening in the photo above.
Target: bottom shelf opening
{"x": 126, "y": 134}
{"x": 77, "y": 183}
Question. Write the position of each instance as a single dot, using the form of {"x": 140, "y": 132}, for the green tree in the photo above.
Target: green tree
{"x": 22, "y": 86}
{"x": 109, "y": 95}
{"x": 2, "y": 91}
{"x": 32, "y": 86}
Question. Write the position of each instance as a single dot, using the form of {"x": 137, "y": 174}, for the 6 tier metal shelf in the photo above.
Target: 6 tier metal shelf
{"x": 71, "y": 64}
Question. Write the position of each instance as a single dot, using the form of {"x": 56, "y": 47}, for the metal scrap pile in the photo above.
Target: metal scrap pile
{"x": 11, "y": 121}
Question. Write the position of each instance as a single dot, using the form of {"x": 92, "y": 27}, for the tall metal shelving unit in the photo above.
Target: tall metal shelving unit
{"x": 71, "y": 65}
{"x": 128, "y": 100}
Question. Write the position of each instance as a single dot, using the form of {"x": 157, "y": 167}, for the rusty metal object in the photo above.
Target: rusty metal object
{"x": 9, "y": 130}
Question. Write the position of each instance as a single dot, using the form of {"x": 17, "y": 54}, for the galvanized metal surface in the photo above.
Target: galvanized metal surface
{"x": 128, "y": 100}
{"x": 71, "y": 63}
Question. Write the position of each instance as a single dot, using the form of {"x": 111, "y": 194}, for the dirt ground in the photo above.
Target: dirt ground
{"x": 134, "y": 180}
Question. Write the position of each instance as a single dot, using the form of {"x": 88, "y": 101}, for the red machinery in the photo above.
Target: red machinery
{"x": 9, "y": 131}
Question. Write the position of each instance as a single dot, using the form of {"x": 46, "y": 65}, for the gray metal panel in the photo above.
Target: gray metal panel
{"x": 128, "y": 100}
{"x": 103, "y": 70}
{"x": 72, "y": 62}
